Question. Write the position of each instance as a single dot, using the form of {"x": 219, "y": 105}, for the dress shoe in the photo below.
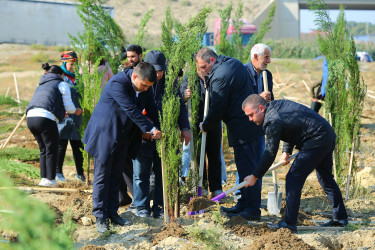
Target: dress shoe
{"x": 335, "y": 223}
{"x": 283, "y": 224}
{"x": 102, "y": 225}
{"x": 233, "y": 210}
{"x": 125, "y": 201}
{"x": 246, "y": 215}
{"x": 118, "y": 220}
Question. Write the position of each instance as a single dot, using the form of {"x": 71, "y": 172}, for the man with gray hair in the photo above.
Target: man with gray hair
{"x": 229, "y": 84}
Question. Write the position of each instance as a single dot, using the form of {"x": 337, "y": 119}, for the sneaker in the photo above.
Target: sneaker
{"x": 42, "y": 181}
{"x": 48, "y": 183}
{"x": 102, "y": 225}
{"x": 144, "y": 213}
{"x": 335, "y": 223}
{"x": 216, "y": 193}
{"x": 132, "y": 209}
{"x": 81, "y": 177}
{"x": 60, "y": 177}
{"x": 283, "y": 224}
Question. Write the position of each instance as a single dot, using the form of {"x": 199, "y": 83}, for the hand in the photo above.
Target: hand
{"x": 66, "y": 114}
{"x": 284, "y": 158}
{"x": 314, "y": 99}
{"x": 187, "y": 94}
{"x": 79, "y": 111}
{"x": 156, "y": 134}
{"x": 147, "y": 136}
{"x": 266, "y": 96}
{"x": 201, "y": 127}
{"x": 250, "y": 180}
{"x": 185, "y": 135}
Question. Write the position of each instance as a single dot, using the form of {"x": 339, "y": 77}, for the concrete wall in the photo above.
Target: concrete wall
{"x": 286, "y": 23}
{"x": 38, "y": 21}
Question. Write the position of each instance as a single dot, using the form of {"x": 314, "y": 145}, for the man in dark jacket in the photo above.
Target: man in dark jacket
{"x": 229, "y": 85}
{"x": 213, "y": 141}
{"x": 134, "y": 55}
{"x": 114, "y": 124}
{"x": 148, "y": 156}
{"x": 300, "y": 127}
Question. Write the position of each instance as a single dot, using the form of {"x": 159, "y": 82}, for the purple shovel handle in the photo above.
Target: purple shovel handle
{"x": 219, "y": 197}
{"x": 200, "y": 191}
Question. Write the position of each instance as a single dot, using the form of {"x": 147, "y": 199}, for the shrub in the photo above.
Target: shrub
{"x": 39, "y": 57}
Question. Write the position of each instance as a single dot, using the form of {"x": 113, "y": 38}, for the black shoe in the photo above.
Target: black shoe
{"x": 335, "y": 223}
{"x": 125, "y": 201}
{"x": 245, "y": 214}
{"x": 102, "y": 225}
{"x": 233, "y": 210}
{"x": 157, "y": 213}
{"x": 118, "y": 220}
{"x": 283, "y": 224}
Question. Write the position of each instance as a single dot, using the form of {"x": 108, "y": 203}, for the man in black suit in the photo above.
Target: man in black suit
{"x": 116, "y": 122}
{"x": 229, "y": 85}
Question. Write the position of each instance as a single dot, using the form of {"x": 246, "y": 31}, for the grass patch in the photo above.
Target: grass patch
{"x": 7, "y": 128}
{"x": 39, "y": 57}
{"x": 37, "y": 46}
{"x": 21, "y": 154}
{"x": 211, "y": 237}
{"x": 16, "y": 169}
{"x": 8, "y": 101}
{"x": 289, "y": 65}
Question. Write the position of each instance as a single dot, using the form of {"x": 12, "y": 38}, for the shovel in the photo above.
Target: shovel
{"x": 242, "y": 184}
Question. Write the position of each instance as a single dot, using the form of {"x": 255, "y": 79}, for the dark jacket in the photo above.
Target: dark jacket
{"x": 257, "y": 81}
{"x": 118, "y": 118}
{"x": 149, "y": 147}
{"x": 48, "y": 96}
{"x": 258, "y": 87}
{"x": 296, "y": 125}
{"x": 229, "y": 85}
{"x": 69, "y": 128}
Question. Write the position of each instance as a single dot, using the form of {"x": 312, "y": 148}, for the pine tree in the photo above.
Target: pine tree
{"x": 100, "y": 38}
{"x": 179, "y": 49}
{"x": 345, "y": 90}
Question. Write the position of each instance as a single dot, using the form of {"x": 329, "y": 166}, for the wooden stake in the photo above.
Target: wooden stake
{"x": 6, "y": 94}
{"x": 334, "y": 160}
{"x": 307, "y": 86}
{"x": 14, "y": 131}
{"x": 46, "y": 189}
{"x": 164, "y": 182}
{"x": 18, "y": 94}
{"x": 349, "y": 172}
{"x": 191, "y": 148}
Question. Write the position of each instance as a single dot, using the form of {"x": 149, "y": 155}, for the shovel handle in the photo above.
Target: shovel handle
{"x": 242, "y": 184}
{"x": 265, "y": 81}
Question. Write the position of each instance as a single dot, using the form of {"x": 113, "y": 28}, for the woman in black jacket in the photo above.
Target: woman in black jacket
{"x": 50, "y": 102}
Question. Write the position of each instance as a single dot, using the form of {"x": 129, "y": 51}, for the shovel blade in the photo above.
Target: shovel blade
{"x": 274, "y": 202}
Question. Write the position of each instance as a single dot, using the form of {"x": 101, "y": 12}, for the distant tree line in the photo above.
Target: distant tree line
{"x": 357, "y": 29}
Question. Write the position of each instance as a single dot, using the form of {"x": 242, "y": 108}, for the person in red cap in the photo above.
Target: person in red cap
{"x": 70, "y": 126}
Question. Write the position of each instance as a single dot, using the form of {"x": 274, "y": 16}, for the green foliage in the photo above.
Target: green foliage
{"x": 235, "y": 48}
{"x": 22, "y": 154}
{"x": 8, "y": 101}
{"x": 40, "y": 57}
{"x": 178, "y": 51}
{"x": 211, "y": 237}
{"x": 16, "y": 169}
{"x": 217, "y": 215}
{"x": 345, "y": 90}
{"x": 290, "y": 48}
{"x": 143, "y": 28}
{"x": 357, "y": 29}
{"x": 31, "y": 220}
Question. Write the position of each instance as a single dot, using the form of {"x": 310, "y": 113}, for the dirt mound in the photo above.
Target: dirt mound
{"x": 79, "y": 203}
{"x": 252, "y": 230}
{"x": 235, "y": 221}
{"x": 172, "y": 229}
{"x": 280, "y": 240}
{"x": 73, "y": 184}
{"x": 199, "y": 203}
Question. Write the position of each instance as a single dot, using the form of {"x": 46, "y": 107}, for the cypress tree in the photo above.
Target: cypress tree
{"x": 345, "y": 90}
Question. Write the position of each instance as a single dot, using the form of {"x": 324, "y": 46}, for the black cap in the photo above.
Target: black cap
{"x": 157, "y": 59}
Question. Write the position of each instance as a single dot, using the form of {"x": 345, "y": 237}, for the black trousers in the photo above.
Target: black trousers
{"x": 213, "y": 152}
{"x": 77, "y": 146}
{"x": 126, "y": 182}
{"x": 47, "y": 135}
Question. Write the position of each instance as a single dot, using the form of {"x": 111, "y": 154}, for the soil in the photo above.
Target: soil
{"x": 147, "y": 233}
{"x": 280, "y": 240}
{"x": 199, "y": 203}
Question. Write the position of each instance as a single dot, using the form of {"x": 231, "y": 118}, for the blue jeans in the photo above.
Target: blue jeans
{"x": 186, "y": 163}
{"x": 141, "y": 182}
